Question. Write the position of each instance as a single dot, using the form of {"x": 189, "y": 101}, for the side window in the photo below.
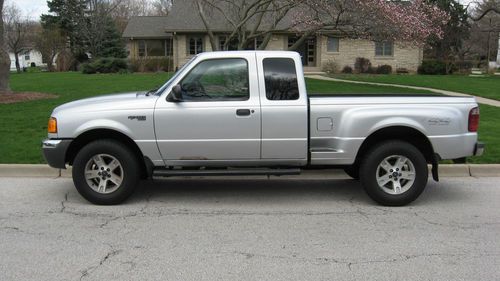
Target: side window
{"x": 217, "y": 80}
{"x": 280, "y": 79}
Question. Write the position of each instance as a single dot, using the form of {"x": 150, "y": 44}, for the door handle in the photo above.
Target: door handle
{"x": 243, "y": 112}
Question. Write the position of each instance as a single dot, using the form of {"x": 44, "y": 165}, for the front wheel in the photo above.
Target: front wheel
{"x": 394, "y": 173}
{"x": 105, "y": 172}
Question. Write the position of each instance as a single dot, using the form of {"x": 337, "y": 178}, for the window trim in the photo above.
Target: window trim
{"x": 214, "y": 59}
{"x": 383, "y": 55}
{"x": 338, "y": 45}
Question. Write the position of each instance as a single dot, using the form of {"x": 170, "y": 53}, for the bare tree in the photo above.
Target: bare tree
{"x": 17, "y": 33}
{"x": 483, "y": 44}
{"x": 248, "y": 20}
{"x": 49, "y": 42}
{"x": 161, "y": 7}
{"x": 4, "y": 57}
{"x": 126, "y": 9}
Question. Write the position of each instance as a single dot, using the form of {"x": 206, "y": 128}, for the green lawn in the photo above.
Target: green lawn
{"x": 488, "y": 86}
{"x": 24, "y": 124}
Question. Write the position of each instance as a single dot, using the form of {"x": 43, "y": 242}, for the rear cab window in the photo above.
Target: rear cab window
{"x": 280, "y": 77}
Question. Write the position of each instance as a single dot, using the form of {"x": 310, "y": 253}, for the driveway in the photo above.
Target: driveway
{"x": 230, "y": 229}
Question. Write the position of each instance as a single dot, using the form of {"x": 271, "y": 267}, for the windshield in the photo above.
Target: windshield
{"x": 172, "y": 79}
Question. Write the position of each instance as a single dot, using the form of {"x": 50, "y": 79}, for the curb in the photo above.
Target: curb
{"x": 445, "y": 170}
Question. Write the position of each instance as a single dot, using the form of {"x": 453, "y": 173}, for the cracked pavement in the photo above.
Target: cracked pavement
{"x": 252, "y": 229}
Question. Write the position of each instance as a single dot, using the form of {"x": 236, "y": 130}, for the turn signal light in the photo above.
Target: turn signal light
{"x": 474, "y": 119}
{"x": 52, "y": 126}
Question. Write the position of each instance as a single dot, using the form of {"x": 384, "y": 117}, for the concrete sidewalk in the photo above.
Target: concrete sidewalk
{"x": 448, "y": 170}
{"x": 444, "y": 92}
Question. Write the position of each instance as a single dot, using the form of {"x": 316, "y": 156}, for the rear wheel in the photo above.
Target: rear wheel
{"x": 105, "y": 172}
{"x": 394, "y": 173}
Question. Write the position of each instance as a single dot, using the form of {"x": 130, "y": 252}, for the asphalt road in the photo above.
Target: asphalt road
{"x": 249, "y": 230}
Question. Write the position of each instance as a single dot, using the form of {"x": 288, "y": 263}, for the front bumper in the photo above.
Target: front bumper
{"x": 54, "y": 152}
{"x": 479, "y": 149}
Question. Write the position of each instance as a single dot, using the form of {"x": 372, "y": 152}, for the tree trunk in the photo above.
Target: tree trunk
{"x": 4, "y": 58}
{"x": 18, "y": 66}
{"x": 4, "y": 71}
{"x": 301, "y": 40}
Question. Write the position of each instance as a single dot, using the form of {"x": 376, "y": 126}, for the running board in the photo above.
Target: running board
{"x": 226, "y": 172}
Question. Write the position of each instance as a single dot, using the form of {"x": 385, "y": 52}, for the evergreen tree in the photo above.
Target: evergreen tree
{"x": 113, "y": 45}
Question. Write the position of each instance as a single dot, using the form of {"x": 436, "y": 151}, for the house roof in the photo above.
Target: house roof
{"x": 183, "y": 17}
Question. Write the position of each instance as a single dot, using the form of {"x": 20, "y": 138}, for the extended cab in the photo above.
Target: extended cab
{"x": 248, "y": 113}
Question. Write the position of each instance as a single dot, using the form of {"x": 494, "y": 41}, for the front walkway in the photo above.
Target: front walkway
{"x": 444, "y": 92}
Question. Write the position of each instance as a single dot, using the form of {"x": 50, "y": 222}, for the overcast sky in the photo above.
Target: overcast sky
{"x": 34, "y": 8}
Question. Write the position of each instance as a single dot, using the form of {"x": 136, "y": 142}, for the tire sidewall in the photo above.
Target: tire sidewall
{"x": 368, "y": 173}
{"x": 123, "y": 155}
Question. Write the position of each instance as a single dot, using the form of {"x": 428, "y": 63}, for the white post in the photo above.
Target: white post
{"x": 498, "y": 53}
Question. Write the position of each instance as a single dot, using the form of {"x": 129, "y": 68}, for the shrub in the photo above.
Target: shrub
{"x": 362, "y": 65}
{"x": 347, "y": 69}
{"x": 432, "y": 67}
{"x": 330, "y": 66}
{"x": 371, "y": 70}
{"x": 384, "y": 69}
{"x": 402, "y": 70}
{"x": 104, "y": 65}
{"x": 151, "y": 64}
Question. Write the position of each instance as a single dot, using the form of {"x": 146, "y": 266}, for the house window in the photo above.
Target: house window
{"x": 232, "y": 46}
{"x": 255, "y": 43}
{"x": 332, "y": 45}
{"x": 27, "y": 57}
{"x": 384, "y": 49}
{"x": 142, "y": 48}
{"x": 155, "y": 48}
{"x": 195, "y": 45}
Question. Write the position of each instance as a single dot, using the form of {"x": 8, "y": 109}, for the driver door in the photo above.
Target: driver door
{"x": 218, "y": 117}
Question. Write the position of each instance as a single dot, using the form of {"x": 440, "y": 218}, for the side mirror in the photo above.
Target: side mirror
{"x": 176, "y": 94}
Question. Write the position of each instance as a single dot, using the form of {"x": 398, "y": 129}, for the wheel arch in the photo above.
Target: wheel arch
{"x": 99, "y": 134}
{"x": 403, "y": 133}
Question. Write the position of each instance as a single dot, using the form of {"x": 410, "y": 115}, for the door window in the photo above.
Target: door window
{"x": 217, "y": 80}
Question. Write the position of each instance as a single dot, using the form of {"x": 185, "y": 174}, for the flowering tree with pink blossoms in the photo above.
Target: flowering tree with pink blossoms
{"x": 407, "y": 22}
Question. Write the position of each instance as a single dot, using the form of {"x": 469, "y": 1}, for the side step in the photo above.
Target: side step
{"x": 226, "y": 172}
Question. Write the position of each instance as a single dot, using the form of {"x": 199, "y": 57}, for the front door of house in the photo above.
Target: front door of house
{"x": 307, "y": 50}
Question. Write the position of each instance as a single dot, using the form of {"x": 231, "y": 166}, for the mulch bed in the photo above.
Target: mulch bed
{"x": 23, "y": 96}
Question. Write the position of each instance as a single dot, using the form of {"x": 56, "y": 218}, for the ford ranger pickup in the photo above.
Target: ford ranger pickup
{"x": 249, "y": 113}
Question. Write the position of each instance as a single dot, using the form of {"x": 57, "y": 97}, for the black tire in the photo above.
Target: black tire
{"x": 369, "y": 169}
{"x": 352, "y": 171}
{"x": 129, "y": 165}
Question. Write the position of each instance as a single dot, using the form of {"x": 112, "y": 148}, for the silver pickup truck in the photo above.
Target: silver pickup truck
{"x": 248, "y": 113}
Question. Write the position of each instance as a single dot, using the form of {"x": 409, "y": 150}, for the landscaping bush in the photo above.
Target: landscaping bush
{"x": 347, "y": 70}
{"x": 384, "y": 69}
{"x": 104, "y": 65}
{"x": 151, "y": 64}
{"x": 330, "y": 66}
{"x": 362, "y": 65}
{"x": 371, "y": 70}
{"x": 432, "y": 67}
{"x": 402, "y": 70}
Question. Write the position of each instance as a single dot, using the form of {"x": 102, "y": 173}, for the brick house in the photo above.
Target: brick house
{"x": 181, "y": 35}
